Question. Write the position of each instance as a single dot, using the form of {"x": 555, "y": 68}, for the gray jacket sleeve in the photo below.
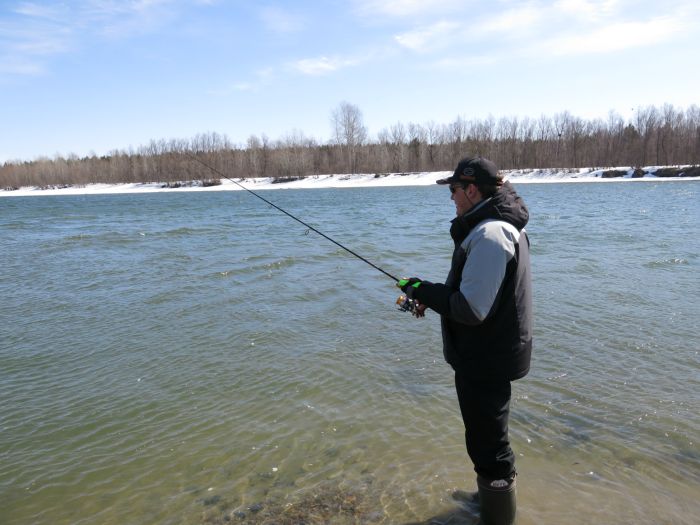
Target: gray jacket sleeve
{"x": 488, "y": 249}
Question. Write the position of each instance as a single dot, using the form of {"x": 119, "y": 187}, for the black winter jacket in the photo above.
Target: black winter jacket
{"x": 486, "y": 302}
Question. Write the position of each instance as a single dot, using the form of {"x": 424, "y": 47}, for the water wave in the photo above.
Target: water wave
{"x": 666, "y": 263}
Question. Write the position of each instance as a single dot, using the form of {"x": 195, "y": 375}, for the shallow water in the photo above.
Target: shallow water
{"x": 189, "y": 358}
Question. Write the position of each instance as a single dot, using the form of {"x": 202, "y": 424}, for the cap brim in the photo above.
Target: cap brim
{"x": 444, "y": 181}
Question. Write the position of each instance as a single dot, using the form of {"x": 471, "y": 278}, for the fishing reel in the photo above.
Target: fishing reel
{"x": 406, "y": 304}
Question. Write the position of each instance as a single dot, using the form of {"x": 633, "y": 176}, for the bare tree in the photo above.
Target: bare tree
{"x": 416, "y": 140}
{"x": 543, "y": 140}
{"x": 397, "y": 132}
{"x": 665, "y": 135}
{"x": 615, "y": 129}
{"x": 433, "y": 138}
{"x": 646, "y": 126}
{"x": 349, "y": 132}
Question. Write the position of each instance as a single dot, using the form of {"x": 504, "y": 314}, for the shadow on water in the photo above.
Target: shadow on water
{"x": 329, "y": 505}
{"x": 456, "y": 516}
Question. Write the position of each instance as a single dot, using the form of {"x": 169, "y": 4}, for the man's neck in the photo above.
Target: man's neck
{"x": 476, "y": 206}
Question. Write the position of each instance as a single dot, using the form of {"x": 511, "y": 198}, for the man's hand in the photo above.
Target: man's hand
{"x": 420, "y": 310}
{"x": 409, "y": 286}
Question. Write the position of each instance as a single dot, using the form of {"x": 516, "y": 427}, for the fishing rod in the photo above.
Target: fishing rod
{"x": 395, "y": 279}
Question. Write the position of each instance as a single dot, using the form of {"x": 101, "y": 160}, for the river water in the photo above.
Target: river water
{"x": 185, "y": 358}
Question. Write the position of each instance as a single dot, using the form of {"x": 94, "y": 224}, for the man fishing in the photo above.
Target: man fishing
{"x": 485, "y": 308}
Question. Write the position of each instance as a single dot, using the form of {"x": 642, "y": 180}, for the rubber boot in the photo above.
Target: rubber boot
{"x": 497, "y": 501}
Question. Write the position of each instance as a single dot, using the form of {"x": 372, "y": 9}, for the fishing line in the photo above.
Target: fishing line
{"x": 292, "y": 216}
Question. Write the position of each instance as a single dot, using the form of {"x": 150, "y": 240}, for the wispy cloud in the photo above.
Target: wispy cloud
{"x": 34, "y": 32}
{"x": 428, "y": 38}
{"x": 405, "y": 8}
{"x": 538, "y": 29}
{"x": 42, "y": 44}
{"x": 12, "y": 67}
{"x": 449, "y": 35}
{"x": 124, "y": 19}
{"x": 233, "y": 88}
{"x": 30, "y": 37}
{"x": 36, "y": 39}
{"x": 322, "y": 65}
{"x": 262, "y": 77}
{"x": 465, "y": 62}
{"x": 34, "y": 10}
{"x": 280, "y": 20}
{"x": 516, "y": 20}
{"x": 613, "y": 37}
{"x": 590, "y": 10}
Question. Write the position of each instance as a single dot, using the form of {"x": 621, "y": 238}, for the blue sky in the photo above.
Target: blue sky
{"x": 89, "y": 76}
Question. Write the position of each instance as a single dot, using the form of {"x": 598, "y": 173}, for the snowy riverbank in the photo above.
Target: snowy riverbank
{"x": 359, "y": 180}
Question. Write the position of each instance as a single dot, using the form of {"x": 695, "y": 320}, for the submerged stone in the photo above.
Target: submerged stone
{"x": 213, "y": 500}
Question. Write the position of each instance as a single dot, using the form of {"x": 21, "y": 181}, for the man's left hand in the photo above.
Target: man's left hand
{"x": 420, "y": 310}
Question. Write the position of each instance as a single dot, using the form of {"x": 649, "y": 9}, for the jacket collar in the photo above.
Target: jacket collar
{"x": 505, "y": 205}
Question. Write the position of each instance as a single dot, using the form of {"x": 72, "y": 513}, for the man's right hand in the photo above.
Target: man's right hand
{"x": 408, "y": 286}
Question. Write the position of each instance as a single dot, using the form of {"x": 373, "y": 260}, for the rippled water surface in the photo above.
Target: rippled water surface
{"x": 201, "y": 358}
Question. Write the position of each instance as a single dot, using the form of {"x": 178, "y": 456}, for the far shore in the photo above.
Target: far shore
{"x": 533, "y": 176}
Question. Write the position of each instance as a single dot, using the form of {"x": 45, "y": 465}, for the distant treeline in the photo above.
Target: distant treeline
{"x": 652, "y": 136}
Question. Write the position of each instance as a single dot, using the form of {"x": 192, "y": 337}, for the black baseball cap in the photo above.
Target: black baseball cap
{"x": 476, "y": 170}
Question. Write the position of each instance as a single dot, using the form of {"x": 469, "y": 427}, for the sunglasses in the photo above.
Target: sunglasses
{"x": 463, "y": 186}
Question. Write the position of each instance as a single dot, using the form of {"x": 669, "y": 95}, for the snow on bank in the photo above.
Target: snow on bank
{"x": 350, "y": 181}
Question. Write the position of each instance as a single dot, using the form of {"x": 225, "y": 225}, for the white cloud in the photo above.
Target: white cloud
{"x": 280, "y": 20}
{"x": 102, "y": 9}
{"x": 34, "y": 39}
{"x": 512, "y": 20}
{"x": 401, "y": 8}
{"x": 21, "y": 68}
{"x": 587, "y": 9}
{"x": 322, "y": 65}
{"x": 614, "y": 37}
{"x": 466, "y": 62}
{"x": 431, "y": 37}
{"x": 540, "y": 29}
{"x": 243, "y": 86}
{"x": 448, "y": 35}
{"x": 37, "y": 31}
{"x": 40, "y": 44}
{"x": 236, "y": 87}
{"x": 25, "y": 48}
{"x": 124, "y": 19}
{"x": 265, "y": 74}
{"x": 262, "y": 78}
{"x": 38, "y": 11}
